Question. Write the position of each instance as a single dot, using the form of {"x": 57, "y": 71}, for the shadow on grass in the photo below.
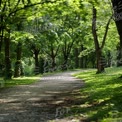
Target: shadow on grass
{"x": 99, "y": 100}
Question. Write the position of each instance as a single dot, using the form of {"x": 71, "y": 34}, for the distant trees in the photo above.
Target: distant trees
{"x": 44, "y": 36}
{"x": 11, "y": 13}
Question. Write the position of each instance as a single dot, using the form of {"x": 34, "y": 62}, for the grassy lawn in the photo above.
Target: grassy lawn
{"x": 101, "y": 96}
{"x": 18, "y": 81}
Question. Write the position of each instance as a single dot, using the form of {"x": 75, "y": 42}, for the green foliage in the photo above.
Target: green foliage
{"x": 60, "y": 26}
{"x": 86, "y": 52}
{"x": 28, "y": 66}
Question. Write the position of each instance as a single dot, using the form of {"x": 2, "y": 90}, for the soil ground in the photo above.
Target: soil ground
{"x": 44, "y": 101}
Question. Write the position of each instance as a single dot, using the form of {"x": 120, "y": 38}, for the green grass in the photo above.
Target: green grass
{"x": 18, "y": 81}
{"x": 101, "y": 96}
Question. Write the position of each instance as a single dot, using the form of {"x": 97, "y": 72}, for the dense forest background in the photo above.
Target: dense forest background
{"x": 46, "y": 36}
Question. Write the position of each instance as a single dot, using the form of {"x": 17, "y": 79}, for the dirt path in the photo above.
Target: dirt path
{"x": 39, "y": 102}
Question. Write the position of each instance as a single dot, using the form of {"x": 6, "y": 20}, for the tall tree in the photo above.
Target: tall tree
{"x": 117, "y": 7}
{"x": 98, "y": 48}
{"x": 9, "y": 10}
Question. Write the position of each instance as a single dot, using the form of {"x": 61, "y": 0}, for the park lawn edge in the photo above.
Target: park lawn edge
{"x": 25, "y": 80}
{"x": 101, "y": 96}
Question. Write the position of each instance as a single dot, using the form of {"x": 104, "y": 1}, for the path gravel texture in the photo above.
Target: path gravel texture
{"x": 39, "y": 102}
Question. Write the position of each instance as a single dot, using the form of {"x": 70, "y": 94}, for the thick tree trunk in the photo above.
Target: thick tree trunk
{"x": 8, "y": 71}
{"x": 117, "y": 6}
{"x": 41, "y": 65}
{"x": 100, "y": 63}
{"x": 119, "y": 28}
{"x": 18, "y": 65}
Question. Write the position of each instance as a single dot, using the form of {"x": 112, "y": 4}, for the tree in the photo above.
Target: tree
{"x": 9, "y": 12}
{"x": 98, "y": 48}
{"x": 117, "y": 7}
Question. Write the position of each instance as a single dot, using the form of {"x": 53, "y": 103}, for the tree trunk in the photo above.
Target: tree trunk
{"x": 36, "y": 58}
{"x": 53, "y": 56}
{"x": 109, "y": 57}
{"x": 8, "y": 71}
{"x": 65, "y": 65}
{"x": 98, "y": 50}
{"x": 41, "y": 65}
{"x": 1, "y": 39}
{"x": 100, "y": 61}
{"x": 18, "y": 65}
{"x": 81, "y": 58}
{"x": 53, "y": 63}
{"x": 119, "y": 56}
{"x": 76, "y": 58}
{"x": 117, "y": 6}
{"x": 85, "y": 62}
{"x": 1, "y": 30}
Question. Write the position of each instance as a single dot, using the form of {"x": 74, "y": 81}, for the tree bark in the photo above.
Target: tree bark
{"x": 81, "y": 58}
{"x": 65, "y": 63}
{"x": 8, "y": 71}
{"x": 41, "y": 65}
{"x": 1, "y": 29}
{"x": 117, "y": 6}
{"x": 98, "y": 50}
{"x": 76, "y": 58}
{"x": 18, "y": 65}
{"x": 53, "y": 56}
{"x": 36, "y": 58}
{"x": 66, "y": 53}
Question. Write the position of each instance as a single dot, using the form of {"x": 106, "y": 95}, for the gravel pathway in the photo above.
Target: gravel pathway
{"x": 39, "y": 102}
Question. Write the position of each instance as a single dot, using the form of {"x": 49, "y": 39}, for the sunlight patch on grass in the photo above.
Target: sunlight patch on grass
{"x": 104, "y": 95}
{"x": 20, "y": 81}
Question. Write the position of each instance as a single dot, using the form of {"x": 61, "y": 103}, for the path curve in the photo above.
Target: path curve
{"x": 37, "y": 102}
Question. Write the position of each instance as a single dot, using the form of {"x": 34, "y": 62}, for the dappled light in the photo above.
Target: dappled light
{"x": 60, "y": 60}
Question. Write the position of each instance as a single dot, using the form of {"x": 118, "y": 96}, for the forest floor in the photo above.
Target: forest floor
{"x": 47, "y": 100}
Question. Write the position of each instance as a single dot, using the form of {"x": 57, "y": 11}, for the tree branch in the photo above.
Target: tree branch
{"x": 94, "y": 28}
{"x": 28, "y": 6}
{"x": 106, "y": 31}
{"x": 57, "y": 51}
